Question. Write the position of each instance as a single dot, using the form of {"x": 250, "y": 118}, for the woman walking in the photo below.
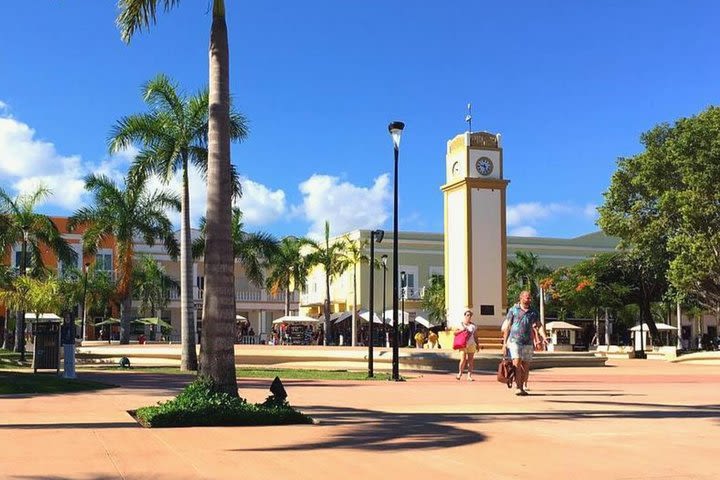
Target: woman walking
{"x": 467, "y": 328}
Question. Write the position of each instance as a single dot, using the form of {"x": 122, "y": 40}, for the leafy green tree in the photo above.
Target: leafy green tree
{"x": 331, "y": 256}
{"x": 433, "y": 301}
{"x": 151, "y": 285}
{"x": 33, "y": 231}
{"x": 124, "y": 214}
{"x": 525, "y": 273}
{"x": 217, "y": 353}
{"x": 288, "y": 268}
{"x": 172, "y": 136}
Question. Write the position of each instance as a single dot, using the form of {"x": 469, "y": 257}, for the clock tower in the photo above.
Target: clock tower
{"x": 475, "y": 238}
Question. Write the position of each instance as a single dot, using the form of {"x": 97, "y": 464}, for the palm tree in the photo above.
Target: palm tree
{"x": 125, "y": 214}
{"x": 150, "y": 285}
{"x": 333, "y": 260}
{"x": 434, "y": 300}
{"x": 288, "y": 267}
{"x": 172, "y": 136}
{"x": 354, "y": 255}
{"x": 33, "y": 231}
{"x": 526, "y": 272}
{"x": 218, "y": 356}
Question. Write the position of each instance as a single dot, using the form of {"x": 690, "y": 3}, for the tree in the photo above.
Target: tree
{"x": 288, "y": 268}
{"x": 33, "y": 230}
{"x": 433, "y": 301}
{"x": 123, "y": 214}
{"x": 218, "y": 355}
{"x": 525, "y": 273}
{"x": 354, "y": 255}
{"x": 151, "y": 285}
{"x": 331, "y": 256}
{"x": 252, "y": 250}
{"x": 173, "y": 135}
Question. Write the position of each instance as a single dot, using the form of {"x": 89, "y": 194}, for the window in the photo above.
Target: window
{"x": 104, "y": 262}
{"x": 437, "y": 271}
{"x": 18, "y": 259}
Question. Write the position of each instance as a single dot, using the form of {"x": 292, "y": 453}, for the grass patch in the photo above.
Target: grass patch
{"x": 20, "y": 382}
{"x": 255, "y": 372}
{"x": 10, "y": 359}
{"x": 200, "y": 405}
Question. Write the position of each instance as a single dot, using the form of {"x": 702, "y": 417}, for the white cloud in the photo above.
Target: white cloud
{"x": 344, "y": 205}
{"x": 591, "y": 212}
{"x": 3, "y": 106}
{"x": 524, "y": 231}
{"x": 259, "y": 204}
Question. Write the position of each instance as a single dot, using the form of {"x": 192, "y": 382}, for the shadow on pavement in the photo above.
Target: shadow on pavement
{"x": 379, "y": 431}
{"x": 60, "y": 426}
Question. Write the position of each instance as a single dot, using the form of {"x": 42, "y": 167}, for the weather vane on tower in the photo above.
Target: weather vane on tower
{"x": 468, "y": 117}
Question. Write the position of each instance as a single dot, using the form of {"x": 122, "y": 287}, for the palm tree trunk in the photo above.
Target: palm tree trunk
{"x": 125, "y": 311}
{"x": 327, "y": 308}
{"x": 287, "y": 301}
{"x": 188, "y": 359}
{"x": 217, "y": 355}
{"x": 354, "y": 313}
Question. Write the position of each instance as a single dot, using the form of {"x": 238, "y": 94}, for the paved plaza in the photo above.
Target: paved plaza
{"x": 630, "y": 420}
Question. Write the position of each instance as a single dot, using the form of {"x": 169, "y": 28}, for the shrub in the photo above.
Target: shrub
{"x": 200, "y": 404}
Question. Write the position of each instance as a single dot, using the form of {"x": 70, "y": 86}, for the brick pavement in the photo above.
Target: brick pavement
{"x": 633, "y": 419}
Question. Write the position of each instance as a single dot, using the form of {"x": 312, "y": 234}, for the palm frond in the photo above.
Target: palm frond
{"x": 135, "y": 15}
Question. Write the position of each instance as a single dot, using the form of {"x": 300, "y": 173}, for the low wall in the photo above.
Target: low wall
{"x": 347, "y": 358}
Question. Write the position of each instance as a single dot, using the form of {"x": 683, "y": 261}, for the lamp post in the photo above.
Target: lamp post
{"x": 384, "y": 266}
{"x": 375, "y": 236}
{"x": 84, "y": 304}
{"x": 395, "y": 129}
{"x": 403, "y": 285}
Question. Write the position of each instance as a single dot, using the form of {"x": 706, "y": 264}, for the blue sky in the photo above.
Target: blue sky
{"x": 570, "y": 86}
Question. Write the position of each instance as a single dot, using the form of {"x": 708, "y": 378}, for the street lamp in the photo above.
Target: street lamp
{"x": 84, "y": 316}
{"x": 375, "y": 236}
{"x": 395, "y": 129}
{"x": 403, "y": 285}
{"x": 384, "y": 266}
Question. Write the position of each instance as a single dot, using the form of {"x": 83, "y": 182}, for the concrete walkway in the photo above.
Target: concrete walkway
{"x": 633, "y": 419}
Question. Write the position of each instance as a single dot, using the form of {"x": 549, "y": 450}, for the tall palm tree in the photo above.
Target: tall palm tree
{"x": 526, "y": 272}
{"x": 355, "y": 255}
{"x": 33, "y": 231}
{"x": 333, "y": 260}
{"x": 252, "y": 250}
{"x": 151, "y": 286}
{"x": 218, "y": 356}
{"x": 288, "y": 268}
{"x": 126, "y": 213}
{"x": 173, "y": 135}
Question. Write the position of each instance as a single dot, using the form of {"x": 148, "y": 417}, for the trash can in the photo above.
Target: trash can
{"x": 46, "y": 352}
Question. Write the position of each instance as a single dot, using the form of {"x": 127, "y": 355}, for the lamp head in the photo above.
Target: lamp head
{"x": 378, "y": 235}
{"x": 396, "y": 129}
{"x": 384, "y": 260}
{"x": 402, "y": 278}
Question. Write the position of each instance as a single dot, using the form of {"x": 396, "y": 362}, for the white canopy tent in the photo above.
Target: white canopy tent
{"x": 48, "y": 317}
{"x": 339, "y": 317}
{"x": 365, "y": 315}
{"x": 240, "y": 318}
{"x": 295, "y": 319}
{"x": 423, "y": 319}
{"x": 663, "y": 327}
{"x": 405, "y": 320}
{"x": 560, "y": 325}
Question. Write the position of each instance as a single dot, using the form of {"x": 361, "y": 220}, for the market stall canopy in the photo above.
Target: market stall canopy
{"x": 109, "y": 321}
{"x": 560, "y": 325}
{"x": 48, "y": 317}
{"x": 295, "y": 319}
{"x": 391, "y": 320}
{"x": 154, "y": 321}
{"x": 240, "y": 318}
{"x": 660, "y": 326}
{"x": 423, "y": 319}
{"x": 365, "y": 315}
{"x": 338, "y": 316}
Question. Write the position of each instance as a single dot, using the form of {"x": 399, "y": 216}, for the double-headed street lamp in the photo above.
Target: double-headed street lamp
{"x": 403, "y": 286}
{"x": 375, "y": 236}
{"x": 20, "y": 328}
{"x": 395, "y": 129}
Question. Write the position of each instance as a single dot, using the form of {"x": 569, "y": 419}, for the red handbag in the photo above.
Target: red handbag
{"x": 460, "y": 340}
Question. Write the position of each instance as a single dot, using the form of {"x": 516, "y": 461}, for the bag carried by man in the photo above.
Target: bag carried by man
{"x": 506, "y": 372}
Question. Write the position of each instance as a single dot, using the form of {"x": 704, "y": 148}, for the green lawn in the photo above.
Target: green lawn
{"x": 283, "y": 373}
{"x": 21, "y": 382}
{"x": 9, "y": 359}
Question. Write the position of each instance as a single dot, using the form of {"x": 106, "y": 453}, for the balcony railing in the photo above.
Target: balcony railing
{"x": 263, "y": 296}
{"x": 412, "y": 293}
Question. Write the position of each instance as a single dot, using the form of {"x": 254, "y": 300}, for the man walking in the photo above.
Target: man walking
{"x": 518, "y": 337}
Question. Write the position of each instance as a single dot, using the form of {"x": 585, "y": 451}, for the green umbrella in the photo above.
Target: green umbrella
{"x": 109, "y": 321}
{"x": 154, "y": 321}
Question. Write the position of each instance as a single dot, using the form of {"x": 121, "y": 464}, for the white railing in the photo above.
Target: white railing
{"x": 263, "y": 296}
{"x": 411, "y": 293}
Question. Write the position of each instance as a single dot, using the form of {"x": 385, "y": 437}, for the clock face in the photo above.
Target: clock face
{"x": 456, "y": 169}
{"x": 484, "y": 166}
